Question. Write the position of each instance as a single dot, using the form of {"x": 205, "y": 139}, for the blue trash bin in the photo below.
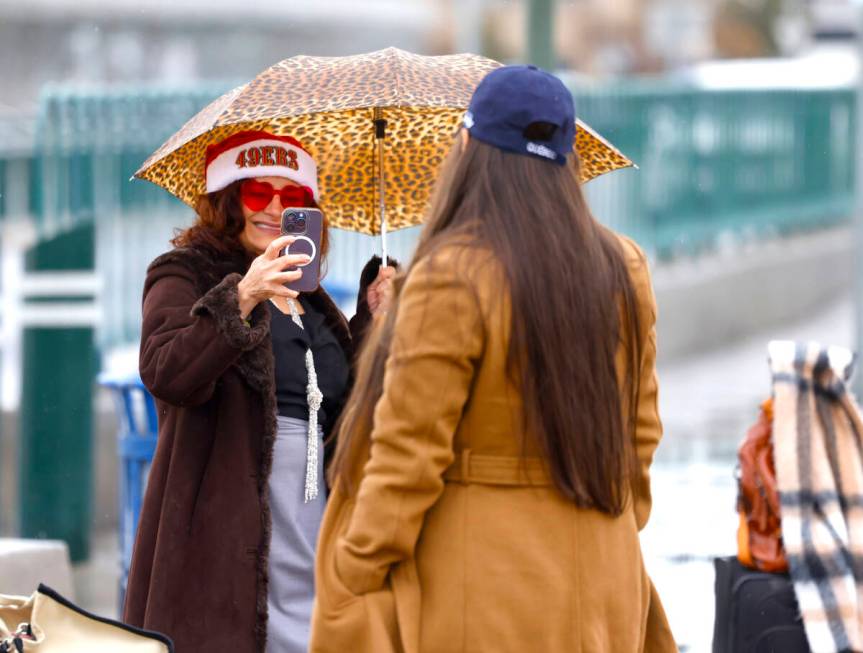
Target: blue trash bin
{"x": 136, "y": 444}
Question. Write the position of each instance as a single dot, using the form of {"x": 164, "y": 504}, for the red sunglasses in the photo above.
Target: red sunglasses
{"x": 257, "y": 195}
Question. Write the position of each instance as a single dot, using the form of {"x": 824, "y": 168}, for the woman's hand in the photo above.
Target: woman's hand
{"x": 266, "y": 276}
{"x": 379, "y": 293}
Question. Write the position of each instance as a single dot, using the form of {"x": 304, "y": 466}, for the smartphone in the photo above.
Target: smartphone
{"x": 306, "y": 225}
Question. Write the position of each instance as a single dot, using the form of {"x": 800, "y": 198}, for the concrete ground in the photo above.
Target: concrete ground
{"x": 97, "y": 580}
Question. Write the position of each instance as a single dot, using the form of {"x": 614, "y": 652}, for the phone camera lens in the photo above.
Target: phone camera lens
{"x": 301, "y": 224}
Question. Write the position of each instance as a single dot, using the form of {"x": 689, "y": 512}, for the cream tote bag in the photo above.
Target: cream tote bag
{"x": 48, "y": 623}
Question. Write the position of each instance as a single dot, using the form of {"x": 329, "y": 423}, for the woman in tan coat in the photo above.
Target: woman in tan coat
{"x": 491, "y": 500}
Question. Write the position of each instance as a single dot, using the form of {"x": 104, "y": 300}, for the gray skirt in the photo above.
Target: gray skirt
{"x": 294, "y": 539}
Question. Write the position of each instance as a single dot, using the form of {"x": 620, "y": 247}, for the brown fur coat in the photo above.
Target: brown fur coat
{"x": 199, "y": 568}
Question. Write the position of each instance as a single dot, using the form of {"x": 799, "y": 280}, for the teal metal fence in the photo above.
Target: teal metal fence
{"x": 720, "y": 163}
{"x": 714, "y": 166}
{"x": 3, "y": 184}
{"x": 90, "y": 143}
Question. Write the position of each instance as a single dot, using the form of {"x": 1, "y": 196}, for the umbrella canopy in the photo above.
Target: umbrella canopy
{"x": 389, "y": 112}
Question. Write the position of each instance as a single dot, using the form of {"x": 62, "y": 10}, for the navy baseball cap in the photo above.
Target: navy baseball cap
{"x": 511, "y": 98}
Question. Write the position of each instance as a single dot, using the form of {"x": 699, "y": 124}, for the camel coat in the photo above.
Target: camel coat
{"x": 452, "y": 543}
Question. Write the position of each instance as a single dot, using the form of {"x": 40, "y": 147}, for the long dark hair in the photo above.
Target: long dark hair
{"x": 219, "y": 222}
{"x": 572, "y": 301}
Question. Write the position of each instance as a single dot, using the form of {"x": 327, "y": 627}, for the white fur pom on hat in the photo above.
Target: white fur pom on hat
{"x": 259, "y": 154}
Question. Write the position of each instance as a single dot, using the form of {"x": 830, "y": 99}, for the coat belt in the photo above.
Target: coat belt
{"x": 469, "y": 468}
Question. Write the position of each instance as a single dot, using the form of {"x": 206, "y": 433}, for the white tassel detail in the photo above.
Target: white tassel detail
{"x": 314, "y": 397}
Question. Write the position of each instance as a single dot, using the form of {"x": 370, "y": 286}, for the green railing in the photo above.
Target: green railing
{"x": 3, "y": 184}
{"x": 714, "y": 166}
{"x": 710, "y": 162}
{"x": 719, "y": 163}
{"x": 92, "y": 142}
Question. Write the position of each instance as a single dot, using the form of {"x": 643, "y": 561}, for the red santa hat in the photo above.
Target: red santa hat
{"x": 259, "y": 154}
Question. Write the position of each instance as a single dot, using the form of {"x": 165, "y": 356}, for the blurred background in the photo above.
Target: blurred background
{"x": 741, "y": 114}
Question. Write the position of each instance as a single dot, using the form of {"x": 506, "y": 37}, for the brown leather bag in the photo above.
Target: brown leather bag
{"x": 759, "y": 537}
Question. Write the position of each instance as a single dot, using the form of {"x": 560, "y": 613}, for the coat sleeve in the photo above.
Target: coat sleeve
{"x": 648, "y": 425}
{"x": 437, "y": 343}
{"x": 188, "y": 341}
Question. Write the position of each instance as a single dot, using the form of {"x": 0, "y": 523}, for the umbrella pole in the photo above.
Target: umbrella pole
{"x": 380, "y": 134}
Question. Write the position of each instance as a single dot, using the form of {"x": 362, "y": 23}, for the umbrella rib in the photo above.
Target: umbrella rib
{"x": 148, "y": 161}
{"x": 216, "y": 121}
{"x": 398, "y": 81}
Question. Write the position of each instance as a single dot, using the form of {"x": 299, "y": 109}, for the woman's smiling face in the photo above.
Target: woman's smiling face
{"x": 264, "y": 225}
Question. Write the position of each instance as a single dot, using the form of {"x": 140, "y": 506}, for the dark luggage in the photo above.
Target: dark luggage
{"x": 756, "y": 612}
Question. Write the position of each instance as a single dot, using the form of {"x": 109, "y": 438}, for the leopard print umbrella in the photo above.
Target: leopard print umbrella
{"x": 329, "y": 104}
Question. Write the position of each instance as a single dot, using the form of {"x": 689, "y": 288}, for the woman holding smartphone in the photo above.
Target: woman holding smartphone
{"x": 249, "y": 376}
{"x": 492, "y": 469}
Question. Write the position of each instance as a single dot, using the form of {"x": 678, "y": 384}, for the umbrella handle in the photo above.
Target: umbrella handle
{"x": 380, "y": 135}
{"x": 384, "y": 243}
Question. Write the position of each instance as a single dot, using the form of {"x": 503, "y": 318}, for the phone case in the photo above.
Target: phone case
{"x": 306, "y": 225}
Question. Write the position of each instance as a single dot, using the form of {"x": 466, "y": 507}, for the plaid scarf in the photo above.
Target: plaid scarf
{"x": 819, "y": 471}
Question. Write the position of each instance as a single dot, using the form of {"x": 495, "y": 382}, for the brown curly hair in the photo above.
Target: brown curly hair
{"x": 220, "y": 222}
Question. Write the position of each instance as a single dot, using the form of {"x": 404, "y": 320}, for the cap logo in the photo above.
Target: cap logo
{"x": 541, "y": 150}
{"x": 267, "y": 155}
{"x": 468, "y": 119}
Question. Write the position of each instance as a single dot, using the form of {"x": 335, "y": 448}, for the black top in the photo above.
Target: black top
{"x": 290, "y": 343}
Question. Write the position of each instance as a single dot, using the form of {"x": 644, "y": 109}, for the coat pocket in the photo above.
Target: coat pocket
{"x": 367, "y": 624}
{"x": 342, "y": 620}
{"x": 331, "y": 592}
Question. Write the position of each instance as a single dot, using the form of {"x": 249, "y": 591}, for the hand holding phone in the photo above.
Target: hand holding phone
{"x": 306, "y": 226}
{"x": 269, "y": 274}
